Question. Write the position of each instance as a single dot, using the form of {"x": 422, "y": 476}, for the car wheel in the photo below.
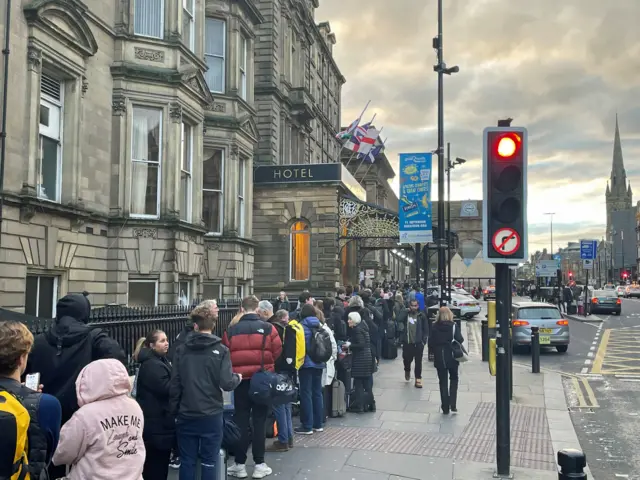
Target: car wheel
{"x": 562, "y": 348}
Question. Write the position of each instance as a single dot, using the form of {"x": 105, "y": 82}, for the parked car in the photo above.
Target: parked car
{"x": 632, "y": 291}
{"x": 621, "y": 290}
{"x": 489, "y": 293}
{"x": 606, "y": 301}
{"x": 469, "y": 306}
{"x": 553, "y": 329}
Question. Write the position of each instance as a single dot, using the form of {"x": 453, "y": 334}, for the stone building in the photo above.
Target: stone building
{"x": 135, "y": 182}
{"x": 298, "y": 177}
{"x": 618, "y": 194}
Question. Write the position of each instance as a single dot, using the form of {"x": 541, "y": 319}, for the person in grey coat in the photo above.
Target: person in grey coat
{"x": 362, "y": 364}
{"x": 440, "y": 338}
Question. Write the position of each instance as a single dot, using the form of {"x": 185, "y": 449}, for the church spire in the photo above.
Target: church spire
{"x": 618, "y": 174}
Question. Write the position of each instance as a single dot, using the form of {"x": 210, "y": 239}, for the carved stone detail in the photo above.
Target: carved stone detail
{"x": 213, "y": 246}
{"x": 119, "y": 106}
{"x": 234, "y": 151}
{"x": 183, "y": 61}
{"x": 34, "y": 59}
{"x": 85, "y": 86}
{"x": 218, "y": 107}
{"x": 175, "y": 112}
{"x": 145, "y": 232}
{"x": 27, "y": 212}
{"x": 193, "y": 83}
{"x": 148, "y": 54}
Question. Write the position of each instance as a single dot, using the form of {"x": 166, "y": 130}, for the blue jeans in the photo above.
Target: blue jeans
{"x": 199, "y": 437}
{"x": 285, "y": 423}
{"x": 311, "y": 401}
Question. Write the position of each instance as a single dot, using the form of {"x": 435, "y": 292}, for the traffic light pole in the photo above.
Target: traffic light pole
{"x": 503, "y": 427}
{"x": 441, "y": 173}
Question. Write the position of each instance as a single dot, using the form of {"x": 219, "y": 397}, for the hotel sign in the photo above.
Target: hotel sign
{"x": 308, "y": 173}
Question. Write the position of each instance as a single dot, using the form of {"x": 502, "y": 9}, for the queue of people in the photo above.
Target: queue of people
{"x": 85, "y": 423}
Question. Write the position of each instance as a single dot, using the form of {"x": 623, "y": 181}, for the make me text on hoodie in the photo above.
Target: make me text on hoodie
{"x": 103, "y": 439}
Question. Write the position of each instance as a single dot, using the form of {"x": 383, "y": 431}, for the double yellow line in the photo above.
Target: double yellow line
{"x": 578, "y": 385}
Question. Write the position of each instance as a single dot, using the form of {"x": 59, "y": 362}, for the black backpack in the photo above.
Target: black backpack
{"x": 320, "y": 348}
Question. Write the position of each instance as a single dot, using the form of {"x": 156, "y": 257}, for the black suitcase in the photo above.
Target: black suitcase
{"x": 389, "y": 349}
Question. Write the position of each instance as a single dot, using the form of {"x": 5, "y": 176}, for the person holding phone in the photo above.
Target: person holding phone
{"x": 16, "y": 342}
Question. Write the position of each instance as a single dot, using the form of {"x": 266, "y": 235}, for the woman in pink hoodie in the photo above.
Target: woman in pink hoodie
{"x": 103, "y": 439}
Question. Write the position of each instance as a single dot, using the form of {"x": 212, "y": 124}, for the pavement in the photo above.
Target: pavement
{"x": 408, "y": 438}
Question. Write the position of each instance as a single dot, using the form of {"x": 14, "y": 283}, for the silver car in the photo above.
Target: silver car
{"x": 553, "y": 329}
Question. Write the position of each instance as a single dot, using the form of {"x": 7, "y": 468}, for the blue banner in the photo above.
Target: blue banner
{"x": 414, "y": 210}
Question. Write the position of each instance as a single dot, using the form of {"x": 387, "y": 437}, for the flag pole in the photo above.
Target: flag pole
{"x": 360, "y": 117}
{"x": 356, "y": 152}
{"x": 370, "y": 166}
{"x": 365, "y": 157}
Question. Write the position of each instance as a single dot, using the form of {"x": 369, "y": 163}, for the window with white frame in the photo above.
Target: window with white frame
{"x": 214, "y": 54}
{"x": 146, "y": 156}
{"x": 243, "y": 66}
{"x": 142, "y": 293}
{"x": 241, "y": 196}
{"x": 184, "y": 292}
{"x": 49, "y": 173}
{"x": 240, "y": 290}
{"x": 188, "y": 23}
{"x": 148, "y": 18}
{"x": 212, "y": 291}
{"x": 186, "y": 167}
{"x": 41, "y": 296}
{"x": 212, "y": 190}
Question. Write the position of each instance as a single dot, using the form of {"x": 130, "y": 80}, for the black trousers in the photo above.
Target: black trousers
{"x": 247, "y": 412}
{"x": 156, "y": 463}
{"x": 448, "y": 387}
{"x": 362, "y": 393}
{"x": 413, "y": 352}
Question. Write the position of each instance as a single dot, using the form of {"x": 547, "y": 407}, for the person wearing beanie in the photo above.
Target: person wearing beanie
{"x": 60, "y": 354}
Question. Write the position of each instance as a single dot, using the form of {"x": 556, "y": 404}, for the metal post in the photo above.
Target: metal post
{"x": 586, "y": 295}
{"x": 485, "y": 340}
{"x": 449, "y": 166}
{"x": 441, "y": 172}
{"x": 535, "y": 350}
{"x": 425, "y": 266}
{"x": 417, "y": 262}
{"x": 572, "y": 464}
{"x": 5, "y": 96}
{"x": 503, "y": 420}
{"x": 510, "y": 349}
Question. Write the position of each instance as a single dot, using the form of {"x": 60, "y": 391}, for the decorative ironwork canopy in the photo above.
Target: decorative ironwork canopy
{"x": 375, "y": 227}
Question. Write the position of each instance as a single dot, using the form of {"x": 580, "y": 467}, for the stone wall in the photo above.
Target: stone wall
{"x": 275, "y": 210}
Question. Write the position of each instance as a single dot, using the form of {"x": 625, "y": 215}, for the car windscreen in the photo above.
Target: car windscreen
{"x": 539, "y": 313}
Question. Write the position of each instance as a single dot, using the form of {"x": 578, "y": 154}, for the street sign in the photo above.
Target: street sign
{"x": 557, "y": 257}
{"x": 588, "y": 249}
{"x": 506, "y": 241}
{"x": 587, "y": 264}
{"x": 547, "y": 268}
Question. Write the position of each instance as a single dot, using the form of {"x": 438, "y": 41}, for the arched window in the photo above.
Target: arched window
{"x": 300, "y": 251}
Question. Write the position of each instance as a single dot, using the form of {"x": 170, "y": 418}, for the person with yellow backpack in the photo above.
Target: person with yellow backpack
{"x": 290, "y": 361}
{"x": 29, "y": 420}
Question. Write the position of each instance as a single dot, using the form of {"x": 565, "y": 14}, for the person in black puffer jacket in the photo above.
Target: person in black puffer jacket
{"x": 362, "y": 365}
{"x": 440, "y": 338}
{"x": 154, "y": 378}
{"x": 334, "y": 316}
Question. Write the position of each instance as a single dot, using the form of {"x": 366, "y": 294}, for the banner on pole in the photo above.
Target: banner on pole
{"x": 414, "y": 210}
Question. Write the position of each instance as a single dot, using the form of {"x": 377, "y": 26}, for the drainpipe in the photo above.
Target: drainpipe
{"x": 5, "y": 86}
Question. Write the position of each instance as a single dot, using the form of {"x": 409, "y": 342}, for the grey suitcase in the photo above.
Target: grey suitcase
{"x": 338, "y": 399}
{"x": 221, "y": 465}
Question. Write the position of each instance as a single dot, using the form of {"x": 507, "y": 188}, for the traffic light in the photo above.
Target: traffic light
{"x": 570, "y": 276}
{"x": 505, "y": 195}
{"x": 624, "y": 275}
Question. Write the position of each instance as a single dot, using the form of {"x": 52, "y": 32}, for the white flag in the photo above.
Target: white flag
{"x": 368, "y": 141}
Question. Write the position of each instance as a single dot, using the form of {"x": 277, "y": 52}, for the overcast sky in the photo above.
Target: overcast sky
{"x": 561, "y": 69}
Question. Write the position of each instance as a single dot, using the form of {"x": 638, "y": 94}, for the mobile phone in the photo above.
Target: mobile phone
{"x": 32, "y": 381}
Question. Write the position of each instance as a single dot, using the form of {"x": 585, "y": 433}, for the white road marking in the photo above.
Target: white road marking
{"x": 584, "y": 370}
{"x": 590, "y": 354}
{"x": 592, "y": 348}
{"x": 587, "y": 362}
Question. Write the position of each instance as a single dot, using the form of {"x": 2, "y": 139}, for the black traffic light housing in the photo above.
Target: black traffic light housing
{"x": 505, "y": 195}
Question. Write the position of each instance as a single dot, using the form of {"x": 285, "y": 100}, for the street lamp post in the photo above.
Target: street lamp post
{"x": 441, "y": 69}
{"x": 551, "y": 214}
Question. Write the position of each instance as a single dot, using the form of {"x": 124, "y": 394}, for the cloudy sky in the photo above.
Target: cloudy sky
{"x": 562, "y": 69}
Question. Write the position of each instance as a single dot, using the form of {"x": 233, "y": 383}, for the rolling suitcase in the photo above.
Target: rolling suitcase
{"x": 338, "y": 399}
{"x": 389, "y": 349}
{"x": 221, "y": 465}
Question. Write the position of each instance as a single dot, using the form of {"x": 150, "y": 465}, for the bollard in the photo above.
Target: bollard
{"x": 485, "y": 340}
{"x": 535, "y": 350}
{"x": 572, "y": 464}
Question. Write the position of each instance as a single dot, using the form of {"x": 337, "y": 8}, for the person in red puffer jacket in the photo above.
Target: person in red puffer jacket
{"x": 244, "y": 340}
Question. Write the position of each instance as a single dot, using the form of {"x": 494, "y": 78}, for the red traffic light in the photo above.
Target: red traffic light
{"x": 508, "y": 145}
{"x": 570, "y": 274}
{"x": 624, "y": 275}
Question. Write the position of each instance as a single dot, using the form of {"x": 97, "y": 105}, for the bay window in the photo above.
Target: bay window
{"x": 215, "y": 54}
{"x": 186, "y": 167}
{"x": 146, "y": 156}
{"x": 212, "y": 190}
{"x": 49, "y": 166}
{"x": 241, "y": 196}
{"x": 148, "y": 18}
{"x": 243, "y": 67}
{"x": 188, "y": 23}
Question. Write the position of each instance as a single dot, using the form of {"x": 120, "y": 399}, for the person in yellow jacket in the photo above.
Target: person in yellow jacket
{"x": 292, "y": 357}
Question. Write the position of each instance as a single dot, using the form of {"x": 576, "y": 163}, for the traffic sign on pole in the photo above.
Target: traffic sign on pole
{"x": 588, "y": 249}
{"x": 506, "y": 241}
{"x": 587, "y": 264}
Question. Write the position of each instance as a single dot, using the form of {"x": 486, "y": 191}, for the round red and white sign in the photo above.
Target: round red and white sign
{"x": 506, "y": 241}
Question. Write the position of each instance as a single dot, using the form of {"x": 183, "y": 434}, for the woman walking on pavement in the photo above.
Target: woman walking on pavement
{"x": 443, "y": 332}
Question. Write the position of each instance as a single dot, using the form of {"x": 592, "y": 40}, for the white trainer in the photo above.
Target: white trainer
{"x": 261, "y": 470}
{"x": 237, "y": 470}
